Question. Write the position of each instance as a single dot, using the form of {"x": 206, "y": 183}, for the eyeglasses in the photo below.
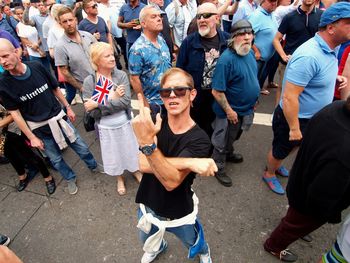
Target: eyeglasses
{"x": 94, "y": 6}
{"x": 205, "y": 15}
{"x": 179, "y": 91}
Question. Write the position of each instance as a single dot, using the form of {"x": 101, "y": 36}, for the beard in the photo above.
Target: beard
{"x": 242, "y": 49}
{"x": 204, "y": 31}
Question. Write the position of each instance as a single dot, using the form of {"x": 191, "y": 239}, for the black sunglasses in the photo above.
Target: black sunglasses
{"x": 179, "y": 91}
{"x": 205, "y": 15}
{"x": 94, "y": 6}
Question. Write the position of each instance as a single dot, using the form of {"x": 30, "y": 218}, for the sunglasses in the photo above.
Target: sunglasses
{"x": 94, "y": 6}
{"x": 179, "y": 91}
{"x": 205, "y": 15}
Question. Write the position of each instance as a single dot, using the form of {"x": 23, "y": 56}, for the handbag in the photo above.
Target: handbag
{"x": 89, "y": 122}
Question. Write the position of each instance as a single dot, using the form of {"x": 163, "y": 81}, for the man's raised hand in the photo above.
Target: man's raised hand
{"x": 144, "y": 128}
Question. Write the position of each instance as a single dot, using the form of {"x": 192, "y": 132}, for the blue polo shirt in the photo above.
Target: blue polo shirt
{"x": 265, "y": 28}
{"x": 129, "y": 13}
{"x": 150, "y": 63}
{"x": 236, "y": 76}
{"x": 9, "y": 28}
{"x": 314, "y": 66}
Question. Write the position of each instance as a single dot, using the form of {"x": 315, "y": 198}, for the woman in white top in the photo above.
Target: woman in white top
{"x": 119, "y": 147}
{"x": 56, "y": 31}
{"x": 30, "y": 38}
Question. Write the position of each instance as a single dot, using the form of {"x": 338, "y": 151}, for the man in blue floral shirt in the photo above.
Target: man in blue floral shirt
{"x": 149, "y": 58}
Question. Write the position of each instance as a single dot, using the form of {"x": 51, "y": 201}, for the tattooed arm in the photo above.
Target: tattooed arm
{"x": 220, "y": 97}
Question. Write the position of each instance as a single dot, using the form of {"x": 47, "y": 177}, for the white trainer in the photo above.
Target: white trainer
{"x": 205, "y": 258}
{"x": 149, "y": 257}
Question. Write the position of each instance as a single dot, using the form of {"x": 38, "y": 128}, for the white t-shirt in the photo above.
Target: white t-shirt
{"x": 55, "y": 33}
{"x": 281, "y": 11}
{"x": 180, "y": 21}
{"x": 48, "y": 23}
{"x": 33, "y": 11}
{"x": 31, "y": 34}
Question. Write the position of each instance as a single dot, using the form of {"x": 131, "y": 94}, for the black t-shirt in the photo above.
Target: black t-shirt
{"x": 212, "y": 54}
{"x": 299, "y": 27}
{"x": 319, "y": 182}
{"x": 31, "y": 94}
{"x": 177, "y": 203}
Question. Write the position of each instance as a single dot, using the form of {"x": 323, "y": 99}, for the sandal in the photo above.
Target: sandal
{"x": 121, "y": 186}
{"x": 138, "y": 176}
{"x": 264, "y": 92}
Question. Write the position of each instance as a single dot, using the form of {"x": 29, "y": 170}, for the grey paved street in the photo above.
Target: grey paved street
{"x": 97, "y": 225}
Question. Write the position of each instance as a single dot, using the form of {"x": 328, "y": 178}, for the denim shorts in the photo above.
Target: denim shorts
{"x": 281, "y": 145}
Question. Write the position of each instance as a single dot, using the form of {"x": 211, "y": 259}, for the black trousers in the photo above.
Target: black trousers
{"x": 20, "y": 154}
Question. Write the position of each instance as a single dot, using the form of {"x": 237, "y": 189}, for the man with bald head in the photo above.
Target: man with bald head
{"x": 149, "y": 58}
{"x": 33, "y": 98}
{"x": 198, "y": 55}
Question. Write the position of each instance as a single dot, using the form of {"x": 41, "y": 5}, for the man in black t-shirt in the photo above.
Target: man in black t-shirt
{"x": 32, "y": 96}
{"x": 173, "y": 150}
{"x": 198, "y": 55}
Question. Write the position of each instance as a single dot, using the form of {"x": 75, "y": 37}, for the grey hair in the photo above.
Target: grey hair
{"x": 144, "y": 10}
{"x": 230, "y": 42}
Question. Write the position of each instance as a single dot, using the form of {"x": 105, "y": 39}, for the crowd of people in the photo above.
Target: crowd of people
{"x": 197, "y": 69}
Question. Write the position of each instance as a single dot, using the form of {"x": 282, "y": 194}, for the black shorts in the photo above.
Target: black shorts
{"x": 281, "y": 145}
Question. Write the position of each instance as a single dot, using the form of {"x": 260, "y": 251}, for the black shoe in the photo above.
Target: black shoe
{"x": 51, "y": 186}
{"x": 22, "y": 184}
{"x": 4, "y": 160}
{"x": 234, "y": 158}
{"x": 4, "y": 240}
{"x": 223, "y": 178}
{"x": 285, "y": 255}
{"x": 307, "y": 238}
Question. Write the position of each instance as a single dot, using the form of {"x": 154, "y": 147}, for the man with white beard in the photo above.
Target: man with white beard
{"x": 235, "y": 87}
{"x": 198, "y": 55}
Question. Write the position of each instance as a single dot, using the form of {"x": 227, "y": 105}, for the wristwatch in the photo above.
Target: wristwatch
{"x": 148, "y": 149}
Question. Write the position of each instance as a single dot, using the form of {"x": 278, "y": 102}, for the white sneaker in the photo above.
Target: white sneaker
{"x": 205, "y": 258}
{"x": 149, "y": 257}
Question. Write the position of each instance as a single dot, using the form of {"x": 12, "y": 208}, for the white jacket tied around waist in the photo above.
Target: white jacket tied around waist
{"x": 55, "y": 123}
{"x": 154, "y": 242}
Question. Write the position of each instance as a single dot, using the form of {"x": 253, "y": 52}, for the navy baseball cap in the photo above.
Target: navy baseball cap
{"x": 334, "y": 13}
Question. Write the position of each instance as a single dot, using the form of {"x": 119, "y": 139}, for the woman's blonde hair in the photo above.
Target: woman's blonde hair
{"x": 54, "y": 10}
{"x": 96, "y": 51}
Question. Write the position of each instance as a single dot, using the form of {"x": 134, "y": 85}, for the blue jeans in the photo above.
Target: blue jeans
{"x": 186, "y": 233}
{"x": 70, "y": 92}
{"x": 54, "y": 153}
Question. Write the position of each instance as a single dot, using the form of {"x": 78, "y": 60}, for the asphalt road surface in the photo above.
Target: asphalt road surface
{"x": 97, "y": 225}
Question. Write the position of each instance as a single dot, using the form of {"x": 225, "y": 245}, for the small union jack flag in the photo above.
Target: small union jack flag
{"x": 103, "y": 86}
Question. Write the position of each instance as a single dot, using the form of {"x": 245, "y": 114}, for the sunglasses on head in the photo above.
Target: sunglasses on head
{"x": 205, "y": 15}
{"x": 179, "y": 91}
